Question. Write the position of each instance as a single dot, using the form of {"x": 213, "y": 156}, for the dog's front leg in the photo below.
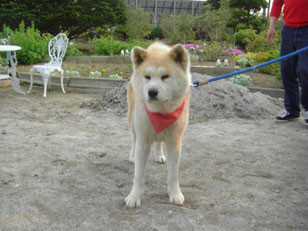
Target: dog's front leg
{"x": 173, "y": 161}
{"x": 159, "y": 153}
{"x": 142, "y": 151}
{"x": 132, "y": 151}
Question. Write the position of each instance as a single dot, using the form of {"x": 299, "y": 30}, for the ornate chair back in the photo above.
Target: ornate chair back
{"x": 56, "y": 48}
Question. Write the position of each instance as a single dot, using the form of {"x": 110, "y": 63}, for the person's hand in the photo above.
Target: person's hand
{"x": 271, "y": 36}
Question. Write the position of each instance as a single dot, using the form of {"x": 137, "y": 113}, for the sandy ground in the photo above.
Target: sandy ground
{"x": 65, "y": 167}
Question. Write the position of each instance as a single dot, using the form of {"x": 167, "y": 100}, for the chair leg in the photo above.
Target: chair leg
{"x": 49, "y": 84}
{"x": 31, "y": 80}
{"x": 45, "y": 82}
{"x": 62, "y": 86}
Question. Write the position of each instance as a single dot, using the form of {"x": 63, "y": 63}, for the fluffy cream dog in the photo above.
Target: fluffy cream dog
{"x": 158, "y": 99}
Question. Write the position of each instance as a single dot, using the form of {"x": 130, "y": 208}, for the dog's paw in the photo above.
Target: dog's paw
{"x": 177, "y": 198}
{"x": 160, "y": 159}
{"x": 133, "y": 201}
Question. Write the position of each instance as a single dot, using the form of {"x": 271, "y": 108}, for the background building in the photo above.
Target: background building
{"x": 175, "y": 7}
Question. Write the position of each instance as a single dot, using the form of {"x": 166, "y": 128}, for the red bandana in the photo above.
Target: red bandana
{"x": 162, "y": 121}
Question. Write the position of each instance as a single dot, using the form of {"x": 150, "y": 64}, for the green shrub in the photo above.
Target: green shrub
{"x": 157, "y": 32}
{"x": 258, "y": 23}
{"x": 244, "y": 37}
{"x": 213, "y": 51}
{"x": 34, "y": 46}
{"x": 259, "y": 43}
{"x": 243, "y": 80}
{"x": 252, "y": 59}
{"x": 261, "y": 57}
{"x": 245, "y": 60}
{"x": 73, "y": 51}
{"x": 5, "y": 32}
{"x": 225, "y": 36}
{"x": 143, "y": 44}
{"x": 108, "y": 46}
{"x": 138, "y": 23}
{"x": 120, "y": 32}
{"x": 253, "y": 42}
{"x": 178, "y": 29}
{"x": 96, "y": 33}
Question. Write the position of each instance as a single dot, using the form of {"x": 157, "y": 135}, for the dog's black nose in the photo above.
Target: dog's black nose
{"x": 153, "y": 92}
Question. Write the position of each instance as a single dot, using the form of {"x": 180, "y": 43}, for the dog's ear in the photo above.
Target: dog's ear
{"x": 179, "y": 55}
{"x": 138, "y": 56}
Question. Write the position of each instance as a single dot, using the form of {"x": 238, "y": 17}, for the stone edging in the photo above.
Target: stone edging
{"x": 273, "y": 92}
{"x": 97, "y": 85}
{"x": 99, "y": 59}
{"x": 209, "y": 70}
{"x": 82, "y": 84}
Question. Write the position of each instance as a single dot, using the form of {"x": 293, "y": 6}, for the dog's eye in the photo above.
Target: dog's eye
{"x": 165, "y": 77}
{"x": 147, "y": 77}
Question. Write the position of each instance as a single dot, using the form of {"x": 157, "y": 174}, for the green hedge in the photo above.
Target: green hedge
{"x": 34, "y": 45}
{"x": 252, "y": 59}
{"x": 109, "y": 46}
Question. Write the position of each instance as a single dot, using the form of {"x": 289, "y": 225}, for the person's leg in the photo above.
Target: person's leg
{"x": 288, "y": 71}
{"x": 303, "y": 66}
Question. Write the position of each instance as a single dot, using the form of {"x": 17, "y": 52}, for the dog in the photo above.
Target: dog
{"x": 158, "y": 111}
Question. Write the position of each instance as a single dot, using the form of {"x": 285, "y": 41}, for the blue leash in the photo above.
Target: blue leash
{"x": 202, "y": 82}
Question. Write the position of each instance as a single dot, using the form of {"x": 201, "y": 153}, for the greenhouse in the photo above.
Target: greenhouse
{"x": 175, "y": 7}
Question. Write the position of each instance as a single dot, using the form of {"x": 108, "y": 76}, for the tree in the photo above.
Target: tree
{"x": 215, "y": 4}
{"x": 73, "y": 16}
{"x": 178, "y": 28}
{"x": 249, "y": 6}
{"x": 138, "y": 23}
{"x": 214, "y": 21}
{"x": 245, "y": 12}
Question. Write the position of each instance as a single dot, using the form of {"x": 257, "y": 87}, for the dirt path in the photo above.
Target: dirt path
{"x": 63, "y": 167}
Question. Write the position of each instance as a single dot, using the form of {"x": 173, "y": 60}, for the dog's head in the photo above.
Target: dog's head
{"x": 161, "y": 73}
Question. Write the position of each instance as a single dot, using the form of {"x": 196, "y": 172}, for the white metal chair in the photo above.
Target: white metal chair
{"x": 56, "y": 50}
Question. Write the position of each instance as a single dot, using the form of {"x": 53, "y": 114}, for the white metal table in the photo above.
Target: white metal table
{"x": 13, "y": 61}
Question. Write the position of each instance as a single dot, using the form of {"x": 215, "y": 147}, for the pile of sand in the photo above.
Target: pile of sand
{"x": 217, "y": 100}
{"x": 223, "y": 99}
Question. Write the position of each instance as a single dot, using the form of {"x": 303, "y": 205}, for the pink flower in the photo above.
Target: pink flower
{"x": 230, "y": 51}
{"x": 192, "y": 45}
{"x": 189, "y": 45}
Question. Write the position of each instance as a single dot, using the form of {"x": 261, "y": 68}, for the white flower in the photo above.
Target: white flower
{"x": 97, "y": 74}
{"x": 75, "y": 73}
{"x": 115, "y": 76}
{"x": 91, "y": 74}
{"x": 72, "y": 73}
